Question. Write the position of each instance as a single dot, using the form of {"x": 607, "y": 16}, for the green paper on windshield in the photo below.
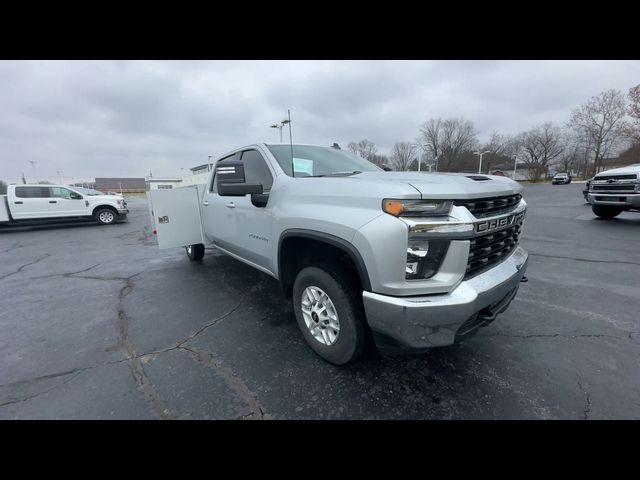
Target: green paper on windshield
{"x": 302, "y": 165}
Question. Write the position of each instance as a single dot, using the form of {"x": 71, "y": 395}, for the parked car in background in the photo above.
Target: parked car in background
{"x": 615, "y": 191}
{"x": 561, "y": 179}
{"x": 46, "y": 203}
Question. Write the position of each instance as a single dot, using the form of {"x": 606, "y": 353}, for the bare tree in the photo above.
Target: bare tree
{"x": 601, "y": 120}
{"x": 569, "y": 159}
{"x": 367, "y": 149}
{"x": 3, "y": 187}
{"x": 448, "y": 140}
{"x": 402, "y": 155}
{"x": 380, "y": 160}
{"x": 633, "y": 130}
{"x": 541, "y": 146}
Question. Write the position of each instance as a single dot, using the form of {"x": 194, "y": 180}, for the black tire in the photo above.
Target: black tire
{"x": 105, "y": 216}
{"x": 195, "y": 252}
{"x": 605, "y": 211}
{"x": 351, "y": 340}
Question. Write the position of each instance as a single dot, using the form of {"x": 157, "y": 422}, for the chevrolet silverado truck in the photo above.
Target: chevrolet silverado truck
{"x": 405, "y": 260}
{"x": 55, "y": 203}
{"x": 615, "y": 191}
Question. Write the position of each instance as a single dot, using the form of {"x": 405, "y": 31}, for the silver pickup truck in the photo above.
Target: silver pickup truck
{"x": 615, "y": 191}
{"x": 406, "y": 260}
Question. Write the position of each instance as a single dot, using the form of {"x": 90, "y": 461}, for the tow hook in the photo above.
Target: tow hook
{"x": 524, "y": 280}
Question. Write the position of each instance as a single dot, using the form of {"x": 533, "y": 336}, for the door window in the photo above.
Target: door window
{"x": 59, "y": 192}
{"x": 32, "y": 192}
{"x": 256, "y": 169}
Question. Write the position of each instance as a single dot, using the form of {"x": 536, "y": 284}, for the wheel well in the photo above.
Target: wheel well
{"x": 298, "y": 252}
{"x": 100, "y": 207}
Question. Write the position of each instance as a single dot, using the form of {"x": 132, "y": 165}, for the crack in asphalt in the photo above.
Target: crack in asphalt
{"x": 29, "y": 397}
{"x": 587, "y": 406}
{"x": 231, "y": 379}
{"x": 25, "y": 266}
{"x": 558, "y": 335}
{"x": 135, "y": 364}
{"x": 578, "y": 259}
{"x": 13, "y": 247}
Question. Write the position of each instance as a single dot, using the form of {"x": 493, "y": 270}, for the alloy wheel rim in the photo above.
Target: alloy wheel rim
{"x": 320, "y": 315}
{"x": 106, "y": 217}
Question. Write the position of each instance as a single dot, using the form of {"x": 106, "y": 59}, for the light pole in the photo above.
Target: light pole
{"x": 279, "y": 127}
{"x": 515, "y": 165}
{"x": 60, "y": 175}
{"x": 481, "y": 154}
{"x": 423, "y": 147}
{"x": 120, "y": 185}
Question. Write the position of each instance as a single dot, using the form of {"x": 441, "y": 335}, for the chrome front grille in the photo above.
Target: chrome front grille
{"x": 489, "y": 207}
{"x": 488, "y": 250}
{"x": 614, "y": 188}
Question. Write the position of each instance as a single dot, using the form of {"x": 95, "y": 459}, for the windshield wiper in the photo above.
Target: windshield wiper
{"x": 335, "y": 174}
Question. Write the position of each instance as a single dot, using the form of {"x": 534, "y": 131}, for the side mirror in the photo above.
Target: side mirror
{"x": 231, "y": 180}
{"x": 75, "y": 196}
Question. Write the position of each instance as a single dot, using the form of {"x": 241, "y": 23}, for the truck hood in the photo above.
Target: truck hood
{"x": 628, "y": 170}
{"x": 445, "y": 185}
{"x": 104, "y": 198}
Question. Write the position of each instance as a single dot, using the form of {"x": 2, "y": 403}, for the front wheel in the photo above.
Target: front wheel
{"x": 329, "y": 314}
{"x": 195, "y": 252}
{"x": 606, "y": 212}
{"x": 105, "y": 216}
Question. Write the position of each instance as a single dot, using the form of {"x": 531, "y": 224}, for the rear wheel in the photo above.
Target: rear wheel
{"x": 606, "y": 212}
{"x": 105, "y": 216}
{"x": 329, "y": 314}
{"x": 195, "y": 252}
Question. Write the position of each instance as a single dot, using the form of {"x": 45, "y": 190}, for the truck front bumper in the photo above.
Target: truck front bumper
{"x": 123, "y": 212}
{"x": 623, "y": 200}
{"x": 414, "y": 324}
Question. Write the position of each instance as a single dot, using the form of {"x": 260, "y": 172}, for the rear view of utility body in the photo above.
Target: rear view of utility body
{"x": 419, "y": 260}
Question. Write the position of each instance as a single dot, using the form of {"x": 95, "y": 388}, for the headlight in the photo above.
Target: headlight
{"x": 424, "y": 257}
{"x": 417, "y": 208}
{"x": 120, "y": 203}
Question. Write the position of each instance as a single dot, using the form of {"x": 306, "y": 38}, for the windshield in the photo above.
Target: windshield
{"x": 312, "y": 161}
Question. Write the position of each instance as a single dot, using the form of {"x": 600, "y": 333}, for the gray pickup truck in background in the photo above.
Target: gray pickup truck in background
{"x": 406, "y": 260}
{"x": 615, "y": 191}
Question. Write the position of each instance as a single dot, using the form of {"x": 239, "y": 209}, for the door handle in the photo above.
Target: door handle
{"x": 230, "y": 205}
{"x": 18, "y": 203}
{"x": 205, "y": 203}
{"x": 53, "y": 201}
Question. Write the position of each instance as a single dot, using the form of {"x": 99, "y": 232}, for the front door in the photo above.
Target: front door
{"x": 65, "y": 203}
{"x": 238, "y": 224}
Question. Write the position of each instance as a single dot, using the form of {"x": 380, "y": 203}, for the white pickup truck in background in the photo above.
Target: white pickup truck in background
{"x": 51, "y": 203}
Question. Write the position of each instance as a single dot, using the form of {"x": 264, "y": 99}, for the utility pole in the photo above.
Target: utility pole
{"x": 481, "y": 154}
{"x": 120, "y": 185}
{"x": 60, "y": 175}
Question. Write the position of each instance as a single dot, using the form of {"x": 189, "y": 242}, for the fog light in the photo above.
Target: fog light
{"x": 424, "y": 258}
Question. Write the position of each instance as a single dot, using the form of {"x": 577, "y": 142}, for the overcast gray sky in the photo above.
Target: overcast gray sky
{"x": 126, "y": 118}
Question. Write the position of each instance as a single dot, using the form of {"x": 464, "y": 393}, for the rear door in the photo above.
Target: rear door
{"x": 29, "y": 202}
{"x": 175, "y": 215}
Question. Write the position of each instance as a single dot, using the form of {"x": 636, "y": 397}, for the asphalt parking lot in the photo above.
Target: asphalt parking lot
{"x": 96, "y": 322}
